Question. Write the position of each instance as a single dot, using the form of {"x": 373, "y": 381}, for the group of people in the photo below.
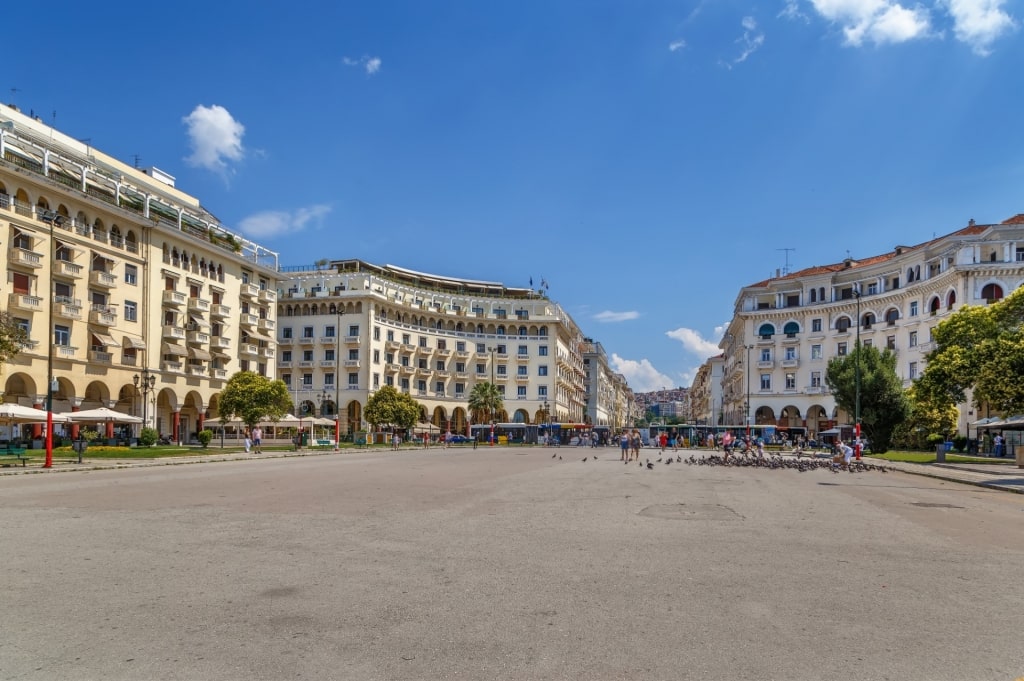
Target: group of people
{"x": 630, "y": 442}
{"x": 254, "y": 440}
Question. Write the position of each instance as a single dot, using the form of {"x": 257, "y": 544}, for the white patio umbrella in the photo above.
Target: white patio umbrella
{"x": 11, "y": 412}
{"x": 101, "y": 415}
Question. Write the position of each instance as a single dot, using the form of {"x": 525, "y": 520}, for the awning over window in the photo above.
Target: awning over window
{"x": 253, "y": 337}
{"x": 198, "y": 325}
{"x": 106, "y": 341}
{"x": 136, "y": 343}
{"x": 171, "y": 349}
{"x": 196, "y": 353}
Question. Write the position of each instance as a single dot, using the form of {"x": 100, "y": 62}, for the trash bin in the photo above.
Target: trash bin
{"x": 940, "y": 453}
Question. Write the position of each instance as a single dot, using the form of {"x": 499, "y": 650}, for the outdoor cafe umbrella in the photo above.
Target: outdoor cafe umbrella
{"x": 11, "y": 413}
{"x": 101, "y": 415}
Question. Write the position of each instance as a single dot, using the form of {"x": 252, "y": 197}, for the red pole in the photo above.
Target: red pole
{"x": 857, "y": 446}
{"x": 492, "y": 434}
{"x": 337, "y": 431}
{"x": 49, "y": 440}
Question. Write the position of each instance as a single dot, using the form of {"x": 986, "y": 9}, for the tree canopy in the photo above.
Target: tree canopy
{"x": 13, "y": 338}
{"x": 883, "y": 404}
{"x": 484, "y": 401}
{"x": 254, "y": 398}
{"x": 979, "y": 348}
{"x": 388, "y": 407}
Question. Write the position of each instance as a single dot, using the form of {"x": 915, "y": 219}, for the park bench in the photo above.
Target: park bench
{"x": 324, "y": 443}
{"x": 12, "y": 456}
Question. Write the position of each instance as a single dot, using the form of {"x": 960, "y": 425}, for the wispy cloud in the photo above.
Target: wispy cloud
{"x": 271, "y": 223}
{"x": 641, "y": 375}
{"x": 215, "y": 138}
{"x": 370, "y": 64}
{"x": 791, "y": 11}
{"x": 676, "y": 45}
{"x": 979, "y": 23}
{"x": 750, "y": 42}
{"x": 609, "y": 316}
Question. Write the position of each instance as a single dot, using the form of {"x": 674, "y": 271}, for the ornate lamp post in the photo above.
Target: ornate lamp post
{"x": 145, "y": 384}
{"x": 856, "y": 364}
{"x": 337, "y": 381}
{"x": 494, "y": 388}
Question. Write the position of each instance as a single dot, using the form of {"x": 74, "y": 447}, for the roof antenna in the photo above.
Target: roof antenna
{"x": 137, "y": 158}
{"x": 785, "y": 270}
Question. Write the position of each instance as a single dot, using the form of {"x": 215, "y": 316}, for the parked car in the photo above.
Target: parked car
{"x": 455, "y": 439}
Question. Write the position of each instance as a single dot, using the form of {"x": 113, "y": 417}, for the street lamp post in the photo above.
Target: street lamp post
{"x": 494, "y": 389}
{"x": 337, "y": 381}
{"x": 856, "y": 364}
{"x": 52, "y": 218}
{"x": 145, "y": 384}
{"x": 547, "y": 417}
{"x": 747, "y": 405}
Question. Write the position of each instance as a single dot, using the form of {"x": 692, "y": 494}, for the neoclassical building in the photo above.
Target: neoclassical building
{"x": 133, "y": 295}
{"x": 785, "y": 330}
{"x": 348, "y": 327}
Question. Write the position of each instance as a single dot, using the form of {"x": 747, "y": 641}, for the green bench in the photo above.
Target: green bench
{"x": 13, "y": 455}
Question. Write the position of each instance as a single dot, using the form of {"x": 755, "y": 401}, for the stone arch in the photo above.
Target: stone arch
{"x": 867, "y": 320}
{"x": 501, "y": 416}
{"x": 817, "y": 420}
{"x": 764, "y": 415}
{"x": 892, "y": 315}
{"x": 460, "y": 422}
{"x": 934, "y": 304}
{"x": 950, "y": 299}
{"x": 992, "y": 292}
{"x": 305, "y": 409}
{"x": 842, "y": 324}
{"x": 789, "y": 417}
{"x": 766, "y": 330}
{"x": 355, "y": 416}
{"x": 96, "y": 394}
{"x": 21, "y": 389}
{"x": 521, "y": 416}
{"x": 440, "y": 417}
{"x": 791, "y": 329}
{"x": 43, "y": 203}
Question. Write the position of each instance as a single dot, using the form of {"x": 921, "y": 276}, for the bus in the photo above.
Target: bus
{"x": 504, "y": 433}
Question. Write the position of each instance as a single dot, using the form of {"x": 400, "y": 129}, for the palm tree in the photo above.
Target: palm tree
{"x": 484, "y": 400}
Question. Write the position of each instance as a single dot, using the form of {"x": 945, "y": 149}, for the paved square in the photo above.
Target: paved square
{"x": 506, "y": 564}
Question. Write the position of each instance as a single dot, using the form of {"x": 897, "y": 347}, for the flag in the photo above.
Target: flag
{"x": 531, "y": 282}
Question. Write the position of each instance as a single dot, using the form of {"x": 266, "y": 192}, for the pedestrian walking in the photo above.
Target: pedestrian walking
{"x": 248, "y": 440}
{"x": 257, "y": 440}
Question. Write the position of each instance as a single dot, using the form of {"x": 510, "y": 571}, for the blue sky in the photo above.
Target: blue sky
{"x": 645, "y": 158}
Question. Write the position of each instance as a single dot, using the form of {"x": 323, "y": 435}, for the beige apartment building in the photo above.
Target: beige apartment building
{"x": 348, "y": 328}
{"x": 134, "y": 296}
{"x": 785, "y": 330}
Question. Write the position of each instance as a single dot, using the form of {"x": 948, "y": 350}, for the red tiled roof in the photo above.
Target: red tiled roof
{"x": 969, "y": 230}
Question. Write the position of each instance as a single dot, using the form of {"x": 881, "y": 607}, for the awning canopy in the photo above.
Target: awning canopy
{"x": 198, "y": 353}
{"x": 105, "y": 340}
{"x": 171, "y": 349}
{"x": 136, "y": 343}
{"x": 260, "y": 337}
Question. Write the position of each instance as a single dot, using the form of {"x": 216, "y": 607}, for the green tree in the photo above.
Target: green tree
{"x": 925, "y": 418}
{"x": 388, "y": 407}
{"x": 883, "y": 404}
{"x": 979, "y": 348}
{"x": 254, "y": 398}
{"x": 484, "y": 401}
{"x": 13, "y": 338}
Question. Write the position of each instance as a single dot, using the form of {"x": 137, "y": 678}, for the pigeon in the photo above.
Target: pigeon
{"x": 650, "y": 466}
{"x": 553, "y": 455}
{"x": 585, "y": 459}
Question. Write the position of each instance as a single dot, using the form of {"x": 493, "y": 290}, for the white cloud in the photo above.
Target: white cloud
{"x": 979, "y": 23}
{"x": 791, "y": 10}
{"x": 694, "y": 343}
{"x": 370, "y": 64}
{"x": 272, "y": 223}
{"x": 215, "y": 137}
{"x": 676, "y": 45}
{"x": 877, "y": 21}
{"x": 641, "y": 375}
{"x": 609, "y": 316}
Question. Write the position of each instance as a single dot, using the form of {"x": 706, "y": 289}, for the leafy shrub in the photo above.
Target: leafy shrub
{"x": 934, "y": 439}
{"x": 204, "y": 436}
{"x": 960, "y": 443}
{"x": 148, "y": 437}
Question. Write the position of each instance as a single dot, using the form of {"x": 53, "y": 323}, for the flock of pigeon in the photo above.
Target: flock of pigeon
{"x": 773, "y": 462}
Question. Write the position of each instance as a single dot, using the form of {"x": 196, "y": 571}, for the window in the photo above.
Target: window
{"x": 867, "y": 343}
{"x": 481, "y": 368}
{"x": 790, "y": 353}
{"x": 376, "y": 333}
{"x": 841, "y": 349}
{"x": 389, "y": 357}
{"x": 23, "y": 324}
{"x": 439, "y": 387}
{"x": 502, "y": 370}
{"x": 286, "y": 355}
{"x": 376, "y": 380}
{"x": 542, "y": 391}
{"x": 307, "y": 380}
{"x": 542, "y": 370}
{"x": 766, "y": 331}
{"x": 791, "y": 381}
{"x": 460, "y": 346}
{"x": 460, "y": 389}
{"x": 244, "y": 365}
{"x": 843, "y": 324}
{"x": 307, "y": 355}
{"x": 502, "y": 349}
{"x": 131, "y": 311}
{"x": 389, "y": 380}
{"x": 522, "y": 352}
{"x": 439, "y": 365}
{"x": 391, "y": 335}
{"x": 521, "y": 371}
{"x": 421, "y": 364}
{"x": 891, "y": 316}
{"x": 329, "y": 331}
{"x": 815, "y": 379}
{"x": 501, "y": 390}
{"x": 376, "y": 356}
{"x": 872, "y": 288}
{"x": 460, "y": 367}
{"x": 307, "y": 332}
{"x": 816, "y": 352}
{"x": 542, "y": 351}
{"x": 481, "y": 348}
{"x": 766, "y": 354}
{"x": 286, "y": 332}
{"x": 62, "y": 335}
{"x": 766, "y": 381}
{"x": 913, "y": 370}
{"x": 329, "y": 379}
{"x": 406, "y": 339}
{"x": 521, "y": 391}
{"x": 890, "y": 342}
{"x": 131, "y": 275}
{"x": 353, "y": 353}
{"x": 913, "y": 339}
{"x": 405, "y": 384}
{"x": 816, "y": 325}
{"x": 423, "y": 341}
{"x": 913, "y": 308}
{"x": 287, "y": 378}
{"x": 442, "y": 344}
{"x": 353, "y": 330}
{"x": 421, "y": 385}
{"x": 353, "y": 380}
